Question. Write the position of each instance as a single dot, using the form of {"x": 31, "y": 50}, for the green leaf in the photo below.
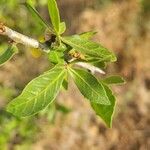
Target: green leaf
{"x": 113, "y": 80}
{"x": 56, "y": 57}
{"x": 87, "y": 35}
{"x": 54, "y": 14}
{"x": 101, "y": 65}
{"x": 62, "y": 28}
{"x": 8, "y": 54}
{"x": 89, "y": 47}
{"x": 65, "y": 84}
{"x": 37, "y": 16}
{"x": 39, "y": 93}
{"x": 62, "y": 48}
{"x": 106, "y": 111}
{"x": 89, "y": 86}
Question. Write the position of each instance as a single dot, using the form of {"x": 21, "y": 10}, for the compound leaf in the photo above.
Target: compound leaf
{"x": 106, "y": 111}
{"x": 89, "y": 47}
{"x": 39, "y": 93}
{"x": 113, "y": 80}
{"x": 89, "y": 86}
{"x": 8, "y": 54}
{"x": 54, "y": 14}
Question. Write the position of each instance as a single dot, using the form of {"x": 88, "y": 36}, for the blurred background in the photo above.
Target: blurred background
{"x": 124, "y": 27}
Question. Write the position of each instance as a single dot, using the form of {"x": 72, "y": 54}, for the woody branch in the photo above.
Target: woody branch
{"x": 27, "y": 41}
{"x": 20, "y": 38}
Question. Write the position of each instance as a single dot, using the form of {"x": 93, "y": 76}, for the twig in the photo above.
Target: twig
{"x": 92, "y": 68}
{"x": 20, "y": 38}
{"x": 25, "y": 40}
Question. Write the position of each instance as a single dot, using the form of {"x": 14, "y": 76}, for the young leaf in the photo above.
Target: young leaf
{"x": 39, "y": 93}
{"x": 106, "y": 111}
{"x": 62, "y": 48}
{"x": 89, "y": 86}
{"x": 87, "y": 35}
{"x": 62, "y": 28}
{"x": 89, "y": 47}
{"x": 8, "y": 54}
{"x": 113, "y": 80}
{"x": 37, "y": 16}
{"x": 54, "y": 14}
{"x": 56, "y": 57}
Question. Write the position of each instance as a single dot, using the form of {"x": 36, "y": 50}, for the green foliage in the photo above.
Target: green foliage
{"x": 8, "y": 54}
{"x": 56, "y": 57}
{"x": 62, "y": 27}
{"x": 63, "y": 53}
{"x": 37, "y": 16}
{"x": 90, "y": 48}
{"x": 89, "y": 86}
{"x": 106, "y": 111}
{"x": 113, "y": 80}
{"x": 39, "y": 93}
{"x": 87, "y": 35}
{"x": 54, "y": 15}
